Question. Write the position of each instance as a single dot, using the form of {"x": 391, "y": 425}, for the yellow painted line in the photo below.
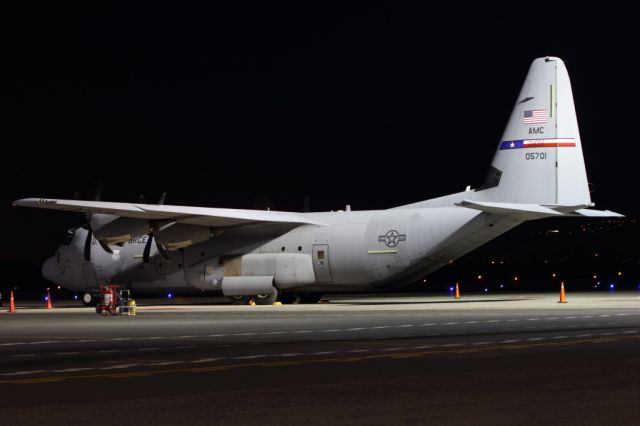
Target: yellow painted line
{"x": 389, "y": 251}
{"x": 398, "y": 355}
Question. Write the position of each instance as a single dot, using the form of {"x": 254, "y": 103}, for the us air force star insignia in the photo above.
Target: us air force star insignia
{"x": 392, "y": 238}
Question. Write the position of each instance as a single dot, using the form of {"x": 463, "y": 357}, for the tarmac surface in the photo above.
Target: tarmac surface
{"x": 370, "y": 359}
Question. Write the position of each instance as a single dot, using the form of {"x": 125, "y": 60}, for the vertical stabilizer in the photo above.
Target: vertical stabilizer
{"x": 539, "y": 158}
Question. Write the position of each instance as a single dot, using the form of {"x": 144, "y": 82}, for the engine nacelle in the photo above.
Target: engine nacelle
{"x": 113, "y": 229}
{"x": 175, "y": 236}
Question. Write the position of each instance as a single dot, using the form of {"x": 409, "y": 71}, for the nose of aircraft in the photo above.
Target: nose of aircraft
{"x": 49, "y": 270}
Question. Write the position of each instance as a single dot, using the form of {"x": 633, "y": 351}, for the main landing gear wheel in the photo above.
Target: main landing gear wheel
{"x": 309, "y": 297}
{"x": 265, "y": 299}
{"x": 89, "y": 299}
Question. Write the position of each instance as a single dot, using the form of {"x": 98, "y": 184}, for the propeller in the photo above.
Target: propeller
{"x": 87, "y": 226}
{"x": 154, "y": 226}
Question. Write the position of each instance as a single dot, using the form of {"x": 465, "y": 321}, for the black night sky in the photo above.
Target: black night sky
{"x": 251, "y": 106}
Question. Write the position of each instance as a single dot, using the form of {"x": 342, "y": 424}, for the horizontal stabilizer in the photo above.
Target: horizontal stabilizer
{"x": 597, "y": 213}
{"x": 525, "y": 211}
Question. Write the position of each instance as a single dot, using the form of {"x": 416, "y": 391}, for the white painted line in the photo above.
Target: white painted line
{"x": 250, "y": 357}
{"x": 301, "y": 331}
{"x": 334, "y": 330}
{"x": 377, "y": 327}
{"x": 423, "y": 347}
{"x": 560, "y": 337}
{"x": 117, "y": 367}
{"x": 355, "y": 351}
{"x": 187, "y": 337}
{"x": 109, "y": 351}
{"x": 166, "y": 363}
{"x": 533, "y": 319}
{"x": 20, "y": 373}
{"x": 217, "y": 335}
{"x": 287, "y": 355}
{"x": 605, "y": 315}
{"x": 148, "y": 349}
{"x": 493, "y": 321}
{"x": 451, "y": 345}
{"x": 469, "y": 322}
{"x": 392, "y": 349}
{"x": 428, "y": 324}
{"x": 323, "y": 353}
{"x": 119, "y": 339}
{"x": 511, "y": 341}
{"x": 12, "y": 344}
{"x": 153, "y": 338}
{"x": 244, "y": 334}
{"x": 606, "y": 334}
{"x": 85, "y": 340}
{"x": 23, "y": 355}
{"x": 44, "y": 342}
{"x": 72, "y": 370}
{"x": 535, "y": 339}
{"x": 66, "y": 353}
{"x": 199, "y": 361}
{"x": 482, "y": 343}
{"x": 450, "y": 323}
{"x": 276, "y": 332}
{"x": 629, "y": 331}
{"x": 551, "y": 318}
{"x": 185, "y": 347}
{"x": 355, "y": 329}
{"x": 584, "y": 335}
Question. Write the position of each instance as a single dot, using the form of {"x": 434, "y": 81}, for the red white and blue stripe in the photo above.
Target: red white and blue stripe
{"x": 537, "y": 143}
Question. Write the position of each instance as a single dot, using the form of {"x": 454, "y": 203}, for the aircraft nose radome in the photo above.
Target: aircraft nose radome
{"x": 49, "y": 270}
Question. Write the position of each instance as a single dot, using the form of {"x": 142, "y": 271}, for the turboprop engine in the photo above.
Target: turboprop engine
{"x": 174, "y": 236}
{"x": 113, "y": 230}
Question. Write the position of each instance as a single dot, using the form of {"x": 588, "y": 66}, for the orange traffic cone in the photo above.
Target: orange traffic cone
{"x": 457, "y": 292}
{"x": 12, "y": 304}
{"x": 49, "y": 299}
{"x": 563, "y": 297}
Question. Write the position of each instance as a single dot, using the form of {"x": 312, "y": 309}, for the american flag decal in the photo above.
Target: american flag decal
{"x": 535, "y": 116}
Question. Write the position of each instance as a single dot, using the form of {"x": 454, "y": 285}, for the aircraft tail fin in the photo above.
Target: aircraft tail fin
{"x": 539, "y": 159}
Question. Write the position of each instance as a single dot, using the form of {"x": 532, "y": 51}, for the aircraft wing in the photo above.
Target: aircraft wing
{"x": 214, "y": 217}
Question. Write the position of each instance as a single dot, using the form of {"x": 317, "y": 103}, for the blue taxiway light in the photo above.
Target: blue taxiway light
{"x": 169, "y": 295}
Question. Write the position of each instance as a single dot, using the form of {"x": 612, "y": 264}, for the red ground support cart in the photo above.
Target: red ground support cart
{"x": 108, "y": 304}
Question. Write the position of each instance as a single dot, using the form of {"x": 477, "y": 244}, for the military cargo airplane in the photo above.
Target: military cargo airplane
{"x": 537, "y": 172}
